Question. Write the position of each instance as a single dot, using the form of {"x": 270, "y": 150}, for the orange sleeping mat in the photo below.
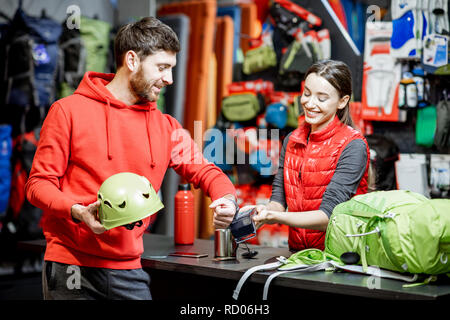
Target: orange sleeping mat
{"x": 202, "y": 14}
{"x": 224, "y": 56}
{"x": 250, "y": 25}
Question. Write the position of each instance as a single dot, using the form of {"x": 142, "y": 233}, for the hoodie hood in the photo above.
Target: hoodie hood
{"x": 93, "y": 86}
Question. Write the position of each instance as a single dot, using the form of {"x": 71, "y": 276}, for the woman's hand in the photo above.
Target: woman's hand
{"x": 262, "y": 216}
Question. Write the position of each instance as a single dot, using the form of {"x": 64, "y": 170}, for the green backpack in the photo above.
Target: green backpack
{"x": 81, "y": 50}
{"x": 396, "y": 230}
{"x": 298, "y": 58}
{"x": 96, "y": 38}
{"x": 240, "y": 107}
{"x": 399, "y": 231}
{"x": 259, "y": 59}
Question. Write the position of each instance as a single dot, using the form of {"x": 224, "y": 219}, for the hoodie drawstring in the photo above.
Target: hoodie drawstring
{"x": 108, "y": 132}
{"x": 108, "y": 129}
{"x": 147, "y": 120}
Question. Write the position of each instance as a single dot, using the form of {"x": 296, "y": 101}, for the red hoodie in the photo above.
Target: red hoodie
{"x": 86, "y": 138}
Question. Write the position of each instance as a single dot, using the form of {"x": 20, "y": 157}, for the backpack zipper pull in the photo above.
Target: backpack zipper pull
{"x": 376, "y": 230}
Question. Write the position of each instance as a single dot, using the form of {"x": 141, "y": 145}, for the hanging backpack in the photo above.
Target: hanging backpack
{"x": 241, "y": 107}
{"x": 72, "y": 60}
{"x": 83, "y": 49}
{"x": 442, "y": 135}
{"x": 259, "y": 59}
{"x": 22, "y": 218}
{"x": 298, "y": 58}
{"x": 384, "y": 152}
{"x": 31, "y": 55}
{"x": 95, "y": 34}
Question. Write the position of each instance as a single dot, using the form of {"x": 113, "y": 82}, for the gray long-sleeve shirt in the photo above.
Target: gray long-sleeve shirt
{"x": 344, "y": 183}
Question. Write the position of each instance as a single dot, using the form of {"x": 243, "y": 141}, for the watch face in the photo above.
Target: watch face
{"x": 246, "y": 221}
{"x": 243, "y": 227}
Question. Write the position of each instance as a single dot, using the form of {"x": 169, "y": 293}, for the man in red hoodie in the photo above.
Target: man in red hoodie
{"x": 111, "y": 125}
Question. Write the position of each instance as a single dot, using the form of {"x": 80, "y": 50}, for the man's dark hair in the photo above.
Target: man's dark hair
{"x": 145, "y": 37}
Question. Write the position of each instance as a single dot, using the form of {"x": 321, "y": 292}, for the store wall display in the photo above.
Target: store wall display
{"x": 102, "y": 9}
{"x": 44, "y": 53}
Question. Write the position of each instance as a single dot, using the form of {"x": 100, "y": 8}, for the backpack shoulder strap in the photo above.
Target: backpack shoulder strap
{"x": 249, "y": 272}
{"x": 321, "y": 266}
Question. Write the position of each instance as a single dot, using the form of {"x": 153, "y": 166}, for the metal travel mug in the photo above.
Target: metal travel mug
{"x": 224, "y": 244}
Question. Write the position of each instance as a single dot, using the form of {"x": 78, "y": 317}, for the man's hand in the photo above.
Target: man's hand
{"x": 224, "y": 211}
{"x": 88, "y": 215}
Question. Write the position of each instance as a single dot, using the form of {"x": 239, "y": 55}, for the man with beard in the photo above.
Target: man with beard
{"x": 111, "y": 125}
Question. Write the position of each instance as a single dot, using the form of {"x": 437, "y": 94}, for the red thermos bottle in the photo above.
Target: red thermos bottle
{"x": 184, "y": 215}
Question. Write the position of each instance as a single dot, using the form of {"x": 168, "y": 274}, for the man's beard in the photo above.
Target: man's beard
{"x": 141, "y": 88}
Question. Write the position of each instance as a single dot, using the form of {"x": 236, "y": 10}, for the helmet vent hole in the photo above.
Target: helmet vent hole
{"x": 146, "y": 195}
{"x": 122, "y": 205}
{"x": 106, "y": 202}
{"x": 100, "y": 196}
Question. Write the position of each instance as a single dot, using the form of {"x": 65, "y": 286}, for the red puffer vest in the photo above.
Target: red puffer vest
{"x": 308, "y": 169}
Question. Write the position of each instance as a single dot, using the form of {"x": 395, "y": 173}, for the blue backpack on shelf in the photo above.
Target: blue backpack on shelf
{"x": 30, "y": 47}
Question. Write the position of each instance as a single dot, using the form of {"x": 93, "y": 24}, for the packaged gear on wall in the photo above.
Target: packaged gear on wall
{"x": 381, "y": 75}
{"x": 407, "y": 28}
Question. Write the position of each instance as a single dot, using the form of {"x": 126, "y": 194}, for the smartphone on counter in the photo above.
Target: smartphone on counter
{"x": 188, "y": 254}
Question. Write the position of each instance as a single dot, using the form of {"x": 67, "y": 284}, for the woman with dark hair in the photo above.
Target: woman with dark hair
{"x": 323, "y": 162}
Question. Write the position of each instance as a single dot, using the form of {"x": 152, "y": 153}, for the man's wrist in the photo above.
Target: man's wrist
{"x": 74, "y": 214}
{"x": 232, "y": 198}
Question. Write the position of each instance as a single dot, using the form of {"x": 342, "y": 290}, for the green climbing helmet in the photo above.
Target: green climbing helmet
{"x": 126, "y": 198}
